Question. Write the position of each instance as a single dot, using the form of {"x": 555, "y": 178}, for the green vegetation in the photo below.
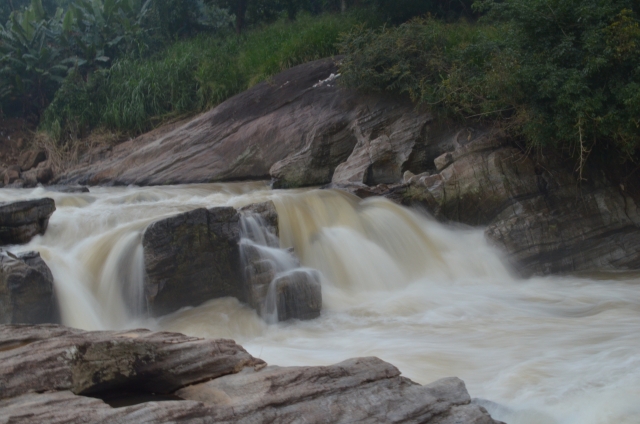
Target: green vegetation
{"x": 134, "y": 95}
{"x": 563, "y": 74}
{"x": 560, "y": 74}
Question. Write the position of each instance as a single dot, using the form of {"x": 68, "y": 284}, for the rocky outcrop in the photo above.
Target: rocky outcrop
{"x": 46, "y": 373}
{"x": 26, "y": 290}
{"x": 536, "y": 211}
{"x": 198, "y": 256}
{"x": 21, "y": 221}
{"x": 301, "y": 128}
{"x": 191, "y": 258}
{"x": 295, "y": 128}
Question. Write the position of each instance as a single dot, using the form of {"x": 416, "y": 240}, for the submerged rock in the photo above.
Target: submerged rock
{"x": 21, "y": 221}
{"x": 46, "y": 371}
{"x": 26, "y": 290}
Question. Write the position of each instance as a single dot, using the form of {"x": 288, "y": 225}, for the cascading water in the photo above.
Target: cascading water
{"x": 432, "y": 300}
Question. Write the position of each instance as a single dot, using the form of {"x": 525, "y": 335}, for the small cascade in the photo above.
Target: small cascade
{"x": 280, "y": 289}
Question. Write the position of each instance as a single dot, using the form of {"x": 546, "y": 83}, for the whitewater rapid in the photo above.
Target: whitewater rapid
{"x": 433, "y": 300}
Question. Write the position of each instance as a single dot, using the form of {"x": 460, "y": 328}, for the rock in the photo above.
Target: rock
{"x": 297, "y": 295}
{"x": 191, "y": 258}
{"x": 12, "y": 174}
{"x": 267, "y": 212}
{"x": 26, "y": 290}
{"x": 31, "y": 158}
{"x": 357, "y": 390}
{"x": 68, "y": 189}
{"x": 30, "y": 178}
{"x": 21, "y": 221}
{"x": 46, "y": 371}
{"x": 544, "y": 220}
{"x": 111, "y": 361}
{"x": 44, "y": 173}
{"x": 290, "y": 129}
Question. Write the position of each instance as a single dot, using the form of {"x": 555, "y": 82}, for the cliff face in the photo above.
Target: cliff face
{"x": 302, "y": 129}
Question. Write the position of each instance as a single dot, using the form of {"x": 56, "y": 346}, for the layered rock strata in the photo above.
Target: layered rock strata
{"x": 48, "y": 372}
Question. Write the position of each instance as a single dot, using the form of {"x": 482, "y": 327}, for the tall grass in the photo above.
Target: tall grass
{"x": 135, "y": 95}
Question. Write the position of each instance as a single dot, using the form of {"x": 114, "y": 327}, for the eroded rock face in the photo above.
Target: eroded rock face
{"x": 21, "y": 221}
{"x": 537, "y": 212}
{"x": 94, "y": 362}
{"x": 44, "y": 370}
{"x": 26, "y": 290}
{"x": 191, "y": 258}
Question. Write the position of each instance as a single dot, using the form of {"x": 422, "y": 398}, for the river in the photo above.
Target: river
{"x": 434, "y": 300}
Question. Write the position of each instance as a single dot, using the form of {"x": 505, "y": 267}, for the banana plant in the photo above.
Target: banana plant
{"x": 30, "y": 62}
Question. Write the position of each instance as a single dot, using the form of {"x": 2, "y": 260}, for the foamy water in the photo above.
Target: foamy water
{"x": 432, "y": 300}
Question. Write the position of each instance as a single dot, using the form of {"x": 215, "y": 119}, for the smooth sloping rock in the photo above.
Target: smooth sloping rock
{"x": 21, "y": 221}
{"x": 26, "y": 290}
{"x": 191, "y": 258}
{"x": 94, "y": 362}
{"x": 364, "y": 390}
{"x": 240, "y": 139}
{"x": 44, "y": 370}
{"x": 297, "y": 294}
{"x": 291, "y": 128}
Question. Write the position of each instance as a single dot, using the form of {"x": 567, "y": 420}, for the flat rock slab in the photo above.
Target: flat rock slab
{"x": 45, "y": 370}
{"x": 104, "y": 361}
{"x": 21, "y": 221}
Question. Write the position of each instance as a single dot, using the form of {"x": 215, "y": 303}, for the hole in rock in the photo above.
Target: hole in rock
{"x": 121, "y": 399}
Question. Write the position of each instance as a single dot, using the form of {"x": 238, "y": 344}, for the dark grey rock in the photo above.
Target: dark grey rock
{"x": 191, "y": 258}
{"x": 21, "y": 221}
{"x": 26, "y": 290}
{"x": 298, "y": 295}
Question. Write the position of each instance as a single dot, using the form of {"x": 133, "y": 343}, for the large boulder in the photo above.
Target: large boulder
{"x": 197, "y": 256}
{"x": 26, "y": 290}
{"x": 21, "y": 221}
{"x": 295, "y": 128}
{"x": 191, "y": 258}
{"x": 46, "y": 371}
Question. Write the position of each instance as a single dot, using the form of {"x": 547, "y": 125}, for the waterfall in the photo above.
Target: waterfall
{"x": 434, "y": 300}
{"x": 265, "y": 265}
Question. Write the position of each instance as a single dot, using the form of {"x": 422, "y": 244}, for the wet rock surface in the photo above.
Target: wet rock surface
{"x": 46, "y": 371}
{"x": 297, "y": 294}
{"x": 21, "y": 221}
{"x": 197, "y": 256}
{"x": 26, "y": 290}
{"x": 536, "y": 211}
{"x": 302, "y": 129}
{"x": 191, "y": 258}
